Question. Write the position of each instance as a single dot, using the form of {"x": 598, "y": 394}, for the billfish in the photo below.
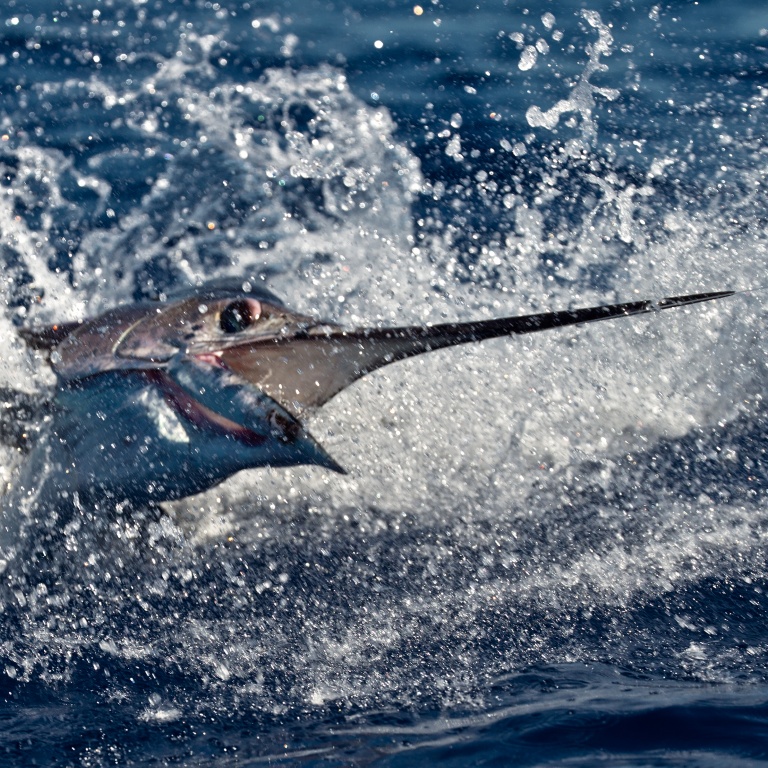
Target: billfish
{"x": 161, "y": 400}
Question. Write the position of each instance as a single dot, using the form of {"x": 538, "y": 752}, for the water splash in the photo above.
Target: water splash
{"x": 582, "y": 98}
{"x": 510, "y": 505}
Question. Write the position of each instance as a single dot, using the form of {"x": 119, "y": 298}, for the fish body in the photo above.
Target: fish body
{"x": 158, "y": 401}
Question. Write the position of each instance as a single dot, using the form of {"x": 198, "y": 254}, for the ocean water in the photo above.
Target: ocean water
{"x": 548, "y": 550}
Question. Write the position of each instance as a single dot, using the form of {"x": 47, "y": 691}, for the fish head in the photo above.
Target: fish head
{"x": 176, "y": 349}
{"x": 295, "y": 359}
{"x": 148, "y": 335}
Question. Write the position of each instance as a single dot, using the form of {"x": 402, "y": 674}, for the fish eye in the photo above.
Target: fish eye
{"x": 236, "y": 316}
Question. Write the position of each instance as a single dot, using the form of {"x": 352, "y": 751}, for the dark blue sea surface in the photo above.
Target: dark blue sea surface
{"x": 548, "y": 550}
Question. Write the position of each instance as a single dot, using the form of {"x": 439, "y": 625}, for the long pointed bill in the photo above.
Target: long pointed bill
{"x": 306, "y": 370}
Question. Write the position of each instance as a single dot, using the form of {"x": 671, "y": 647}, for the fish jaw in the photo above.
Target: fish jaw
{"x": 216, "y": 400}
{"x": 141, "y": 436}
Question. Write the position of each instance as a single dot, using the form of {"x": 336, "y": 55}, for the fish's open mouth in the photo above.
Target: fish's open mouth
{"x": 197, "y": 414}
{"x": 210, "y": 397}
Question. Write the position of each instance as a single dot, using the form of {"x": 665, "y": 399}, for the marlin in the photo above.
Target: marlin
{"x": 158, "y": 401}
